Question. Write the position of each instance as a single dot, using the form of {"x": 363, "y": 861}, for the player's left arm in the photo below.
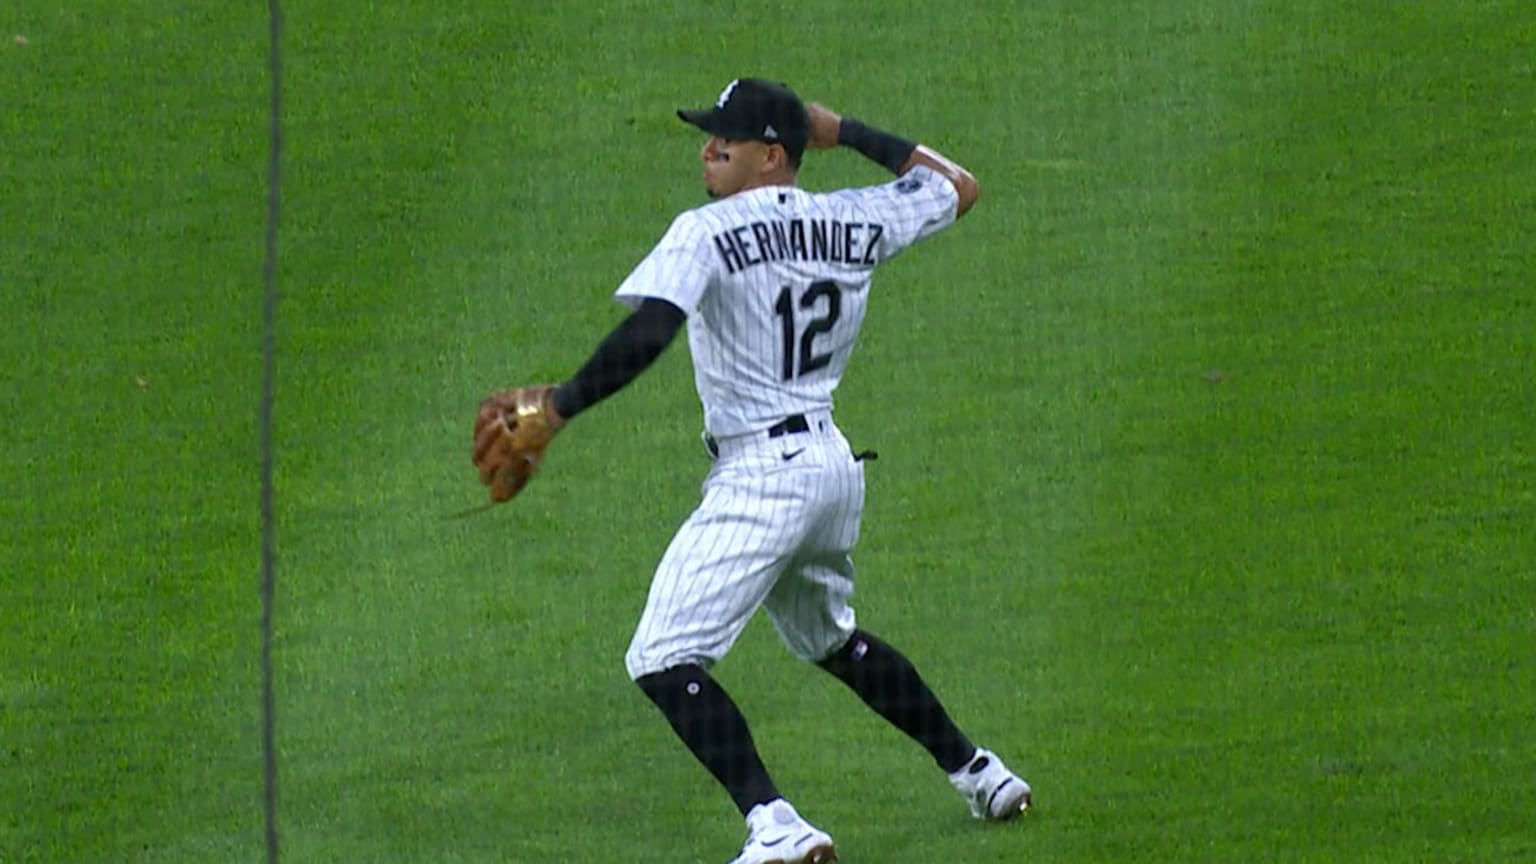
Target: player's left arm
{"x": 662, "y": 290}
{"x": 514, "y": 427}
{"x": 627, "y": 351}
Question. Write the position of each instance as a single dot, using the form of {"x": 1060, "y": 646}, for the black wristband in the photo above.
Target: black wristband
{"x": 882, "y": 147}
{"x": 567, "y": 400}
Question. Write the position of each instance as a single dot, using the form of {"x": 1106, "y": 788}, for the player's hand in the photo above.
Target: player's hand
{"x": 825, "y": 124}
{"x": 511, "y": 431}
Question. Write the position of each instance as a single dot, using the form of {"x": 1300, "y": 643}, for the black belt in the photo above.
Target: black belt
{"x": 794, "y": 424}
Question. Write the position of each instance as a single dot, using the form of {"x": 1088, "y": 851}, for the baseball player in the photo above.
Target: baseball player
{"x": 772, "y": 282}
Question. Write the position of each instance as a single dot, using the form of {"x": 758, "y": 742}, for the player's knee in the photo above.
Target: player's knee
{"x": 836, "y": 653}
{"x": 814, "y": 644}
{"x": 636, "y": 665}
{"x": 642, "y": 660}
{"x": 863, "y": 653}
{"x": 666, "y": 686}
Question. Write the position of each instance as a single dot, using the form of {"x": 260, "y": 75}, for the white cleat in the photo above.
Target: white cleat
{"x": 777, "y": 835}
{"x": 994, "y": 793}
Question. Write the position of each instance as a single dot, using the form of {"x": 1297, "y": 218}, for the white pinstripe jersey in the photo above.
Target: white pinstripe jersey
{"x": 775, "y": 280}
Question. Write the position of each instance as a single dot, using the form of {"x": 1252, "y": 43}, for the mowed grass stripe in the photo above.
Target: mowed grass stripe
{"x": 1292, "y": 594}
{"x": 414, "y": 642}
{"x": 134, "y": 211}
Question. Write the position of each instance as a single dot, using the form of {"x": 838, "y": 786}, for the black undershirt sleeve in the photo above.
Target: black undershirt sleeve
{"x": 626, "y": 352}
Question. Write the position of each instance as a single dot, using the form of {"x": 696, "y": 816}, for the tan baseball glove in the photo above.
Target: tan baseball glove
{"x": 511, "y": 432}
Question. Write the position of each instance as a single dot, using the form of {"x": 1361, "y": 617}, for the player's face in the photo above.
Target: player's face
{"x": 731, "y": 166}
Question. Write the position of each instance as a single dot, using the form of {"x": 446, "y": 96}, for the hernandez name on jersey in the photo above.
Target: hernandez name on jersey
{"x": 799, "y": 240}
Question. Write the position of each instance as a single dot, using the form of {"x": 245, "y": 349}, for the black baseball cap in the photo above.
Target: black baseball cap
{"x": 751, "y": 109}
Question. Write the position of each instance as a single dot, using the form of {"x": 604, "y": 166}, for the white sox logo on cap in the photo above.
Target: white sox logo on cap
{"x": 725, "y": 95}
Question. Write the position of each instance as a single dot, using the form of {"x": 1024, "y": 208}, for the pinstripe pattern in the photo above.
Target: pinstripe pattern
{"x": 770, "y": 533}
{"x": 779, "y": 516}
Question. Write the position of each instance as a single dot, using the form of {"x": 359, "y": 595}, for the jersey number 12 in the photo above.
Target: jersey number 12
{"x": 809, "y": 360}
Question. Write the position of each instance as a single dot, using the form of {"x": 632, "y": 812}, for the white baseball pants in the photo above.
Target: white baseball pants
{"x": 778, "y": 522}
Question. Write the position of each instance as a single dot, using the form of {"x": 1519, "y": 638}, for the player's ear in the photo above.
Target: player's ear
{"x": 778, "y": 157}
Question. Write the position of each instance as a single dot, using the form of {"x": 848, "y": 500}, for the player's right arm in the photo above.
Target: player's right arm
{"x": 829, "y": 129}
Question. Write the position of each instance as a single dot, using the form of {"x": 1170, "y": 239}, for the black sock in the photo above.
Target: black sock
{"x": 889, "y": 684}
{"x": 703, "y": 715}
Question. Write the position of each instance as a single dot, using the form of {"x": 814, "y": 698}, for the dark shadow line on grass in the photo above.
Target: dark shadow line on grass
{"x": 268, "y": 388}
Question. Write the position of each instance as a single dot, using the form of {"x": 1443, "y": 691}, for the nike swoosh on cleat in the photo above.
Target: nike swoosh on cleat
{"x": 1016, "y": 810}
{"x": 769, "y": 844}
{"x": 1000, "y": 787}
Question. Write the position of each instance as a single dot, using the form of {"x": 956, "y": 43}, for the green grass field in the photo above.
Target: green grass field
{"x": 1206, "y": 483}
